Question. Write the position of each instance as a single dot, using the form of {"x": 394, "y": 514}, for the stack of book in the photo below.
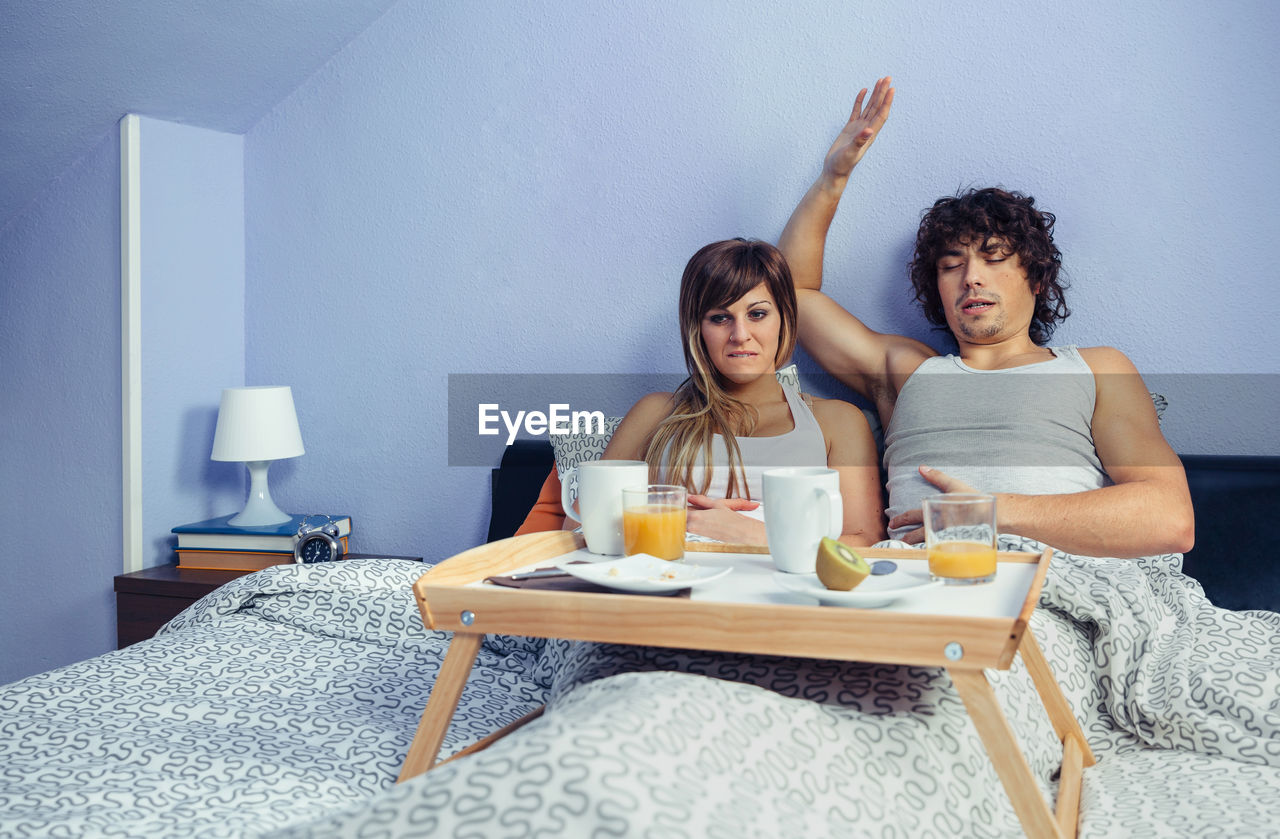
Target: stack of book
{"x": 218, "y": 545}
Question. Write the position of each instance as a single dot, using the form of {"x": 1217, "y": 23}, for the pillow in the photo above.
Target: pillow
{"x": 789, "y": 375}
{"x": 572, "y": 449}
{"x": 1160, "y": 404}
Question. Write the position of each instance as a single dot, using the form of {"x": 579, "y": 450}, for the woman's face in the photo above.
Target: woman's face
{"x": 741, "y": 339}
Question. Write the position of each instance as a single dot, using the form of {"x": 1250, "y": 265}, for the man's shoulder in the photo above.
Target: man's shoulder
{"x": 907, "y": 352}
{"x": 1106, "y": 360}
{"x": 902, "y": 359}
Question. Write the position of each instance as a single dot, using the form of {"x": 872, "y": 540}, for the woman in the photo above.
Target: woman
{"x": 732, "y": 419}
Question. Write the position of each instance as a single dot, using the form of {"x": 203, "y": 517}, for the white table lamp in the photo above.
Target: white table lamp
{"x": 257, "y": 425}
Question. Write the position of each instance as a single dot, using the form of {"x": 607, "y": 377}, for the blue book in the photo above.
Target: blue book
{"x": 219, "y": 534}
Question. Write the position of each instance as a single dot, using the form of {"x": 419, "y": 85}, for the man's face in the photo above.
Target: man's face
{"x": 985, "y": 293}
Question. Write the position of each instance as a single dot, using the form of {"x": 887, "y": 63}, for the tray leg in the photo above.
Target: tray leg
{"x": 1006, "y": 756}
{"x": 1064, "y": 721}
{"x": 442, "y": 703}
{"x": 1069, "y": 780}
{"x": 488, "y": 740}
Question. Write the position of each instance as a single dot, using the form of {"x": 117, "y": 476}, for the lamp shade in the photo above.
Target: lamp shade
{"x": 257, "y": 423}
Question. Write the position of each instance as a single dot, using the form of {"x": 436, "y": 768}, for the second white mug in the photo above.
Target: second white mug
{"x": 600, "y": 485}
{"x": 802, "y": 504}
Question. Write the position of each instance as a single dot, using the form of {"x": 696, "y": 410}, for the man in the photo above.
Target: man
{"x": 1075, "y": 458}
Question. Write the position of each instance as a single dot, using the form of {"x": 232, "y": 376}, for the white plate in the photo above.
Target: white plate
{"x": 643, "y": 574}
{"x": 870, "y": 593}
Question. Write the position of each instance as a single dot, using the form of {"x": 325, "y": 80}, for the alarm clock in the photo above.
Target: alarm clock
{"x": 316, "y": 542}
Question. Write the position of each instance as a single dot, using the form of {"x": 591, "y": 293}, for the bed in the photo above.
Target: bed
{"x": 283, "y": 694}
{"x": 282, "y": 705}
{"x": 1179, "y": 699}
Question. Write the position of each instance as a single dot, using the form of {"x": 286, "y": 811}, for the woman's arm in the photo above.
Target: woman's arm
{"x": 546, "y": 513}
{"x": 714, "y": 518}
{"x": 851, "y": 451}
{"x": 628, "y": 441}
{"x": 718, "y": 518}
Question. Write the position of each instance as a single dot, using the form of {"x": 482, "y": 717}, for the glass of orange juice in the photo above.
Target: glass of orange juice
{"x": 653, "y": 520}
{"x": 960, "y": 535}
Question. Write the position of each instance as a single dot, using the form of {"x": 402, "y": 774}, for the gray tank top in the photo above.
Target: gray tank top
{"x": 803, "y": 445}
{"x": 1024, "y": 430}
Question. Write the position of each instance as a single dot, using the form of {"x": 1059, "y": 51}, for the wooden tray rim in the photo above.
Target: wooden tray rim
{"x": 445, "y": 594}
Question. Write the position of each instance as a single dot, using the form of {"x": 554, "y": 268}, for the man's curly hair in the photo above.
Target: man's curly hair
{"x": 979, "y": 216}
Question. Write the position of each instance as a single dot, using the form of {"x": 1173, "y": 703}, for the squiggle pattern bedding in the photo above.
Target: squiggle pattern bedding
{"x": 283, "y": 694}
{"x": 1179, "y": 700}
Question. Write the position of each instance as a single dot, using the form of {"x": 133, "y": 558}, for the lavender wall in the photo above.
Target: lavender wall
{"x": 192, "y": 196}
{"x": 60, "y": 418}
{"x": 515, "y": 188}
{"x": 60, "y": 341}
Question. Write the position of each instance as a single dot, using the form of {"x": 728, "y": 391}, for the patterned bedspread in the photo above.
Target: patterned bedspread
{"x": 286, "y": 693}
{"x": 1180, "y": 701}
{"x": 283, "y": 704}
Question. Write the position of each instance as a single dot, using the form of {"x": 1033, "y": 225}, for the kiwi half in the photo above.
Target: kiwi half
{"x": 840, "y": 567}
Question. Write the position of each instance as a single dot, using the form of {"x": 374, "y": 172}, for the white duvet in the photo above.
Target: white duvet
{"x": 283, "y": 704}
{"x": 1180, "y": 702}
{"x": 282, "y": 695}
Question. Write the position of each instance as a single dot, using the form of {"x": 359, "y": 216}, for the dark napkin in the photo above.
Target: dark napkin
{"x": 564, "y": 583}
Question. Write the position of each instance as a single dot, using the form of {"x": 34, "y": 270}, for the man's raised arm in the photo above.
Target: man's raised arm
{"x": 869, "y": 362}
{"x": 804, "y": 239}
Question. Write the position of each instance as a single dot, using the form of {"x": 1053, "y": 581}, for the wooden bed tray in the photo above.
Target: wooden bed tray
{"x": 451, "y": 597}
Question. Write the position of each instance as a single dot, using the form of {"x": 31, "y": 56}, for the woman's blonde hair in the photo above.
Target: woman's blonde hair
{"x": 717, "y": 276}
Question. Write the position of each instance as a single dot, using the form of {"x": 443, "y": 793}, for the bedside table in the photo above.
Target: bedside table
{"x": 150, "y": 598}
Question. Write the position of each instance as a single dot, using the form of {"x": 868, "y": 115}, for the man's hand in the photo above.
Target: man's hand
{"x": 1145, "y": 510}
{"x": 861, "y": 130}
{"x": 804, "y": 238}
{"x": 721, "y": 519}
{"x": 942, "y": 481}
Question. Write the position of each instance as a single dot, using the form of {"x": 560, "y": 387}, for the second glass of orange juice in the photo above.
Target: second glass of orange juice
{"x": 960, "y": 537}
{"x": 653, "y": 520}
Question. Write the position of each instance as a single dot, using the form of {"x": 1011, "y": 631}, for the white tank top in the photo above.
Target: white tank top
{"x": 803, "y": 445}
{"x": 1021, "y": 430}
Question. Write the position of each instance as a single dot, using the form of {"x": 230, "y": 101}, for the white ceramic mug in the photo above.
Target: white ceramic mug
{"x": 600, "y": 485}
{"x": 802, "y": 504}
